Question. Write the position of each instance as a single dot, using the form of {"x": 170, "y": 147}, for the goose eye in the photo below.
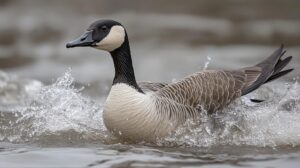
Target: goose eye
{"x": 104, "y": 28}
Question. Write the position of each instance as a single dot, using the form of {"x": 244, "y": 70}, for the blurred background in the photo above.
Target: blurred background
{"x": 169, "y": 39}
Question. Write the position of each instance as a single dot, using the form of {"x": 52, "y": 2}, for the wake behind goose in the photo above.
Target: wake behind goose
{"x": 146, "y": 111}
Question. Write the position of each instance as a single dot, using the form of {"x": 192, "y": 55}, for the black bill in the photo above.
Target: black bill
{"x": 83, "y": 41}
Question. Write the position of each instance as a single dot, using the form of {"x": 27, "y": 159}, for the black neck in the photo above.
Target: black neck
{"x": 124, "y": 72}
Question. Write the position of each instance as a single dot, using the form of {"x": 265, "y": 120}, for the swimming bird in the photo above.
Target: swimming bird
{"x": 145, "y": 111}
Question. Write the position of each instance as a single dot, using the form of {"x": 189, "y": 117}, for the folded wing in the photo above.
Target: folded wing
{"x": 214, "y": 89}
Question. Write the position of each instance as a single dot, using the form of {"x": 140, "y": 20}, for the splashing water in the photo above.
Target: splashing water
{"x": 56, "y": 111}
{"x": 207, "y": 62}
{"x": 32, "y": 112}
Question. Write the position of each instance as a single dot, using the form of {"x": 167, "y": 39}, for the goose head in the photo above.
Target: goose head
{"x": 111, "y": 36}
{"x": 107, "y": 35}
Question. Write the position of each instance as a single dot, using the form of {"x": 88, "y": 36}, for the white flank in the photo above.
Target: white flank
{"x": 132, "y": 115}
{"x": 113, "y": 40}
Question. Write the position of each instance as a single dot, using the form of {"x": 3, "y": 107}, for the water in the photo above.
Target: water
{"x": 49, "y": 125}
{"x": 51, "y": 115}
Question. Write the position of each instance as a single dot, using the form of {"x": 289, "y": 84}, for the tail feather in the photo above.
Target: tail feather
{"x": 270, "y": 70}
{"x": 281, "y": 64}
{"x": 278, "y": 75}
{"x": 273, "y": 58}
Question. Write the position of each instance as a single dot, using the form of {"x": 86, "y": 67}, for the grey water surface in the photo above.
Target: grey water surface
{"x": 51, "y": 98}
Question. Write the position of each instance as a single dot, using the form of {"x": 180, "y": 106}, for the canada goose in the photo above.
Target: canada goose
{"x": 147, "y": 111}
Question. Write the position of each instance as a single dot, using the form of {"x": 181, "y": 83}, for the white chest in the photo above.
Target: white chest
{"x": 132, "y": 115}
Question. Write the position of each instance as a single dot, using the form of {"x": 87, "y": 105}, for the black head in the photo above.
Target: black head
{"x": 106, "y": 35}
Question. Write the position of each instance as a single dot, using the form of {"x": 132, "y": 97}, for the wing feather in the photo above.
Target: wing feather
{"x": 151, "y": 86}
{"x": 210, "y": 89}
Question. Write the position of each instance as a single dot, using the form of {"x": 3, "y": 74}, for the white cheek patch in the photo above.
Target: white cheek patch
{"x": 113, "y": 40}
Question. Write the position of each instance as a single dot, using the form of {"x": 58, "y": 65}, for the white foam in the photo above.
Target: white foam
{"x": 53, "y": 109}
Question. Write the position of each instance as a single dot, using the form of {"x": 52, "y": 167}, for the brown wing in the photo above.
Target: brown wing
{"x": 210, "y": 89}
{"x": 214, "y": 89}
{"x": 151, "y": 86}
